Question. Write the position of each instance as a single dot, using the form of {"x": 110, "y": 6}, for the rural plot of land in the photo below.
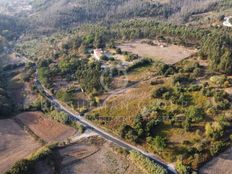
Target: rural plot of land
{"x": 15, "y": 144}
{"x": 46, "y": 129}
{"x": 95, "y": 156}
{"x": 169, "y": 54}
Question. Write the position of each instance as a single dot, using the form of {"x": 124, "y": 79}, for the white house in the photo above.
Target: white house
{"x": 97, "y": 53}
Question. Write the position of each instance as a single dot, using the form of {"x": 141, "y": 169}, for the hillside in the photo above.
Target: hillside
{"x": 43, "y": 16}
{"x": 62, "y": 14}
{"x": 155, "y": 73}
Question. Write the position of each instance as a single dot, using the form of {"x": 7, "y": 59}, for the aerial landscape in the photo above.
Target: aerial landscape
{"x": 115, "y": 86}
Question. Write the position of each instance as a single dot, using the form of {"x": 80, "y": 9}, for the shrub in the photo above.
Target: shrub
{"x": 127, "y": 132}
{"x": 208, "y": 92}
{"x": 218, "y": 80}
{"x": 197, "y": 72}
{"x": 195, "y": 114}
{"x": 64, "y": 95}
{"x": 157, "y": 82}
{"x": 216, "y": 147}
{"x": 146, "y": 164}
{"x": 182, "y": 169}
{"x": 21, "y": 167}
{"x": 27, "y": 166}
{"x": 140, "y": 63}
{"x": 166, "y": 70}
{"x": 220, "y": 95}
{"x": 194, "y": 87}
{"x": 223, "y": 105}
{"x": 118, "y": 51}
{"x": 61, "y": 117}
{"x": 182, "y": 79}
{"x": 160, "y": 143}
{"x": 159, "y": 93}
{"x": 131, "y": 57}
{"x": 184, "y": 100}
{"x": 214, "y": 130}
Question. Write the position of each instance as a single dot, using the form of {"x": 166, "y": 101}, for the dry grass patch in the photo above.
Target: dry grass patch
{"x": 95, "y": 155}
{"x": 169, "y": 54}
{"x": 127, "y": 104}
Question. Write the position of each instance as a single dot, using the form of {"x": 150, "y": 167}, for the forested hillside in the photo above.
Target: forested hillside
{"x": 50, "y": 15}
{"x": 10, "y": 27}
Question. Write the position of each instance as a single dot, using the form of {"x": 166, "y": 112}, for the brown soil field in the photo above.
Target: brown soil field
{"x": 221, "y": 164}
{"x": 170, "y": 54}
{"x": 15, "y": 144}
{"x": 95, "y": 156}
{"x": 47, "y": 129}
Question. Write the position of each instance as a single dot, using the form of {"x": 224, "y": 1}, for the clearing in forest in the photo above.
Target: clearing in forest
{"x": 166, "y": 53}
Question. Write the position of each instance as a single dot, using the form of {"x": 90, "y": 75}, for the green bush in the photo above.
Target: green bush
{"x": 164, "y": 69}
{"x": 182, "y": 79}
{"x": 21, "y": 167}
{"x": 194, "y": 87}
{"x": 127, "y": 132}
{"x": 64, "y": 96}
{"x": 159, "y": 143}
{"x": 139, "y": 64}
{"x": 146, "y": 164}
{"x": 216, "y": 147}
{"x": 27, "y": 166}
{"x": 61, "y": 117}
{"x": 195, "y": 114}
{"x": 183, "y": 100}
{"x": 182, "y": 169}
{"x": 163, "y": 92}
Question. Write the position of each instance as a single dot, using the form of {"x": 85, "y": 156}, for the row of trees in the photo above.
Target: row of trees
{"x": 5, "y": 102}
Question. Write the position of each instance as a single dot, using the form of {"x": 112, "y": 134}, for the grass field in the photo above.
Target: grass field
{"x": 124, "y": 106}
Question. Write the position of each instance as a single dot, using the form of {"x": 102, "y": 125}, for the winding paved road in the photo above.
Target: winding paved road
{"x": 170, "y": 168}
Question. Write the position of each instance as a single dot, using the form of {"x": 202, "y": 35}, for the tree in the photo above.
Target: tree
{"x": 214, "y": 130}
{"x": 208, "y": 130}
{"x": 129, "y": 133}
{"x": 61, "y": 117}
{"x": 159, "y": 142}
{"x": 195, "y": 114}
{"x": 181, "y": 168}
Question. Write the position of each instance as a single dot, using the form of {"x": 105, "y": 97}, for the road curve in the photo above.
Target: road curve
{"x": 102, "y": 133}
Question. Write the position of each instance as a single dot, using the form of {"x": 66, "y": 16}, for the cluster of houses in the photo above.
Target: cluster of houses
{"x": 98, "y": 55}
